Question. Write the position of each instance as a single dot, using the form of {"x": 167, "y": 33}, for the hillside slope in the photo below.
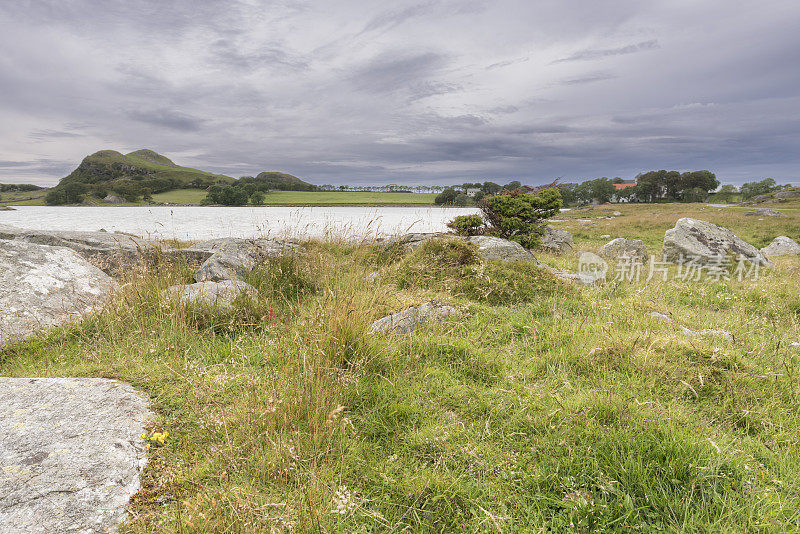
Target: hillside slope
{"x": 130, "y": 176}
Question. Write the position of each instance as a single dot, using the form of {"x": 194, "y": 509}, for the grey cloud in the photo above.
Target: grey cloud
{"x": 588, "y": 78}
{"x": 589, "y": 55}
{"x": 403, "y": 91}
{"x": 50, "y": 135}
{"x": 166, "y": 118}
{"x": 387, "y": 72}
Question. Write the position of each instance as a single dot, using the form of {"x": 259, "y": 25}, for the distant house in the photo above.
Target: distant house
{"x": 625, "y": 185}
{"x": 472, "y": 191}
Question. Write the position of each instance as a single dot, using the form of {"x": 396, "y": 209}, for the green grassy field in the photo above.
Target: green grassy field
{"x": 29, "y": 198}
{"x": 305, "y": 198}
{"x": 541, "y": 408}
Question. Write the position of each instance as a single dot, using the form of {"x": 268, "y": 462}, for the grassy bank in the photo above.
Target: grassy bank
{"x": 541, "y": 406}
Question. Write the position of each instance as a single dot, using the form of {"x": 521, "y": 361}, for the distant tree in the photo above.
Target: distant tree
{"x": 491, "y": 188}
{"x": 511, "y": 186}
{"x": 461, "y": 200}
{"x": 727, "y": 189}
{"x": 567, "y": 191}
{"x": 603, "y": 189}
{"x": 617, "y": 180}
{"x": 752, "y": 189}
{"x": 478, "y": 196}
{"x": 447, "y": 196}
{"x": 257, "y": 198}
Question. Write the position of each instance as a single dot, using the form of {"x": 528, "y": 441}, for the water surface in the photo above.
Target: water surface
{"x": 197, "y": 222}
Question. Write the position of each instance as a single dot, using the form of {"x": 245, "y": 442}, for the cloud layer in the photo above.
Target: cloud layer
{"x": 426, "y": 92}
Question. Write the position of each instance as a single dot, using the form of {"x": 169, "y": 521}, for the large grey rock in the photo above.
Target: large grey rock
{"x": 220, "y": 294}
{"x": 706, "y": 242}
{"x": 230, "y": 258}
{"x": 621, "y": 248}
{"x": 765, "y": 213}
{"x": 71, "y": 453}
{"x": 408, "y": 320}
{"x": 109, "y": 251}
{"x": 781, "y": 246}
{"x": 43, "y": 286}
{"x": 489, "y": 248}
{"x": 557, "y": 241}
{"x": 496, "y": 248}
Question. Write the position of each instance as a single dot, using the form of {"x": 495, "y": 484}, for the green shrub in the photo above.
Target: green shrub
{"x": 466, "y": 224}
{"x": 518, "y": 216}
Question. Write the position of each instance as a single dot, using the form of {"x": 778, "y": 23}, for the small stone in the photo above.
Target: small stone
{"x": 221, "y": 294}
{"x": 659, "y": 315}
{"x": 410, "y": 319}
{"x": 713, "y": 332}
{"x": 781, "y": 246}
{"x": 620, "y": 248}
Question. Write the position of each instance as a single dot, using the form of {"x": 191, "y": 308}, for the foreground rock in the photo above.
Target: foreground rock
{"x": 496, "y": 248}
{"x": 706, "y": 242}
{"x": 229, "y": 259}
{"x": 408, "y": 320}
{"x": 765, "y": 213}
{"x": 211, "y": 294}
{"x": 43, "y": 286}
{"x": 557, "y": 241}
{"x": 489, "y": 247}
{"x": 781, "y": 246}
{"x": 108, "y": 251}
{"x": 71, "y": 453}
{"x": 620, "y": 248}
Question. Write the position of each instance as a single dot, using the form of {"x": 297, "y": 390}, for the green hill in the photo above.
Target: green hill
{"x": 131, "y": 176}
{"x": 277, "y": 181}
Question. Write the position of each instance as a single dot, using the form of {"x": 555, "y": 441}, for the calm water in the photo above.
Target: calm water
{"x": 189, "y": 222}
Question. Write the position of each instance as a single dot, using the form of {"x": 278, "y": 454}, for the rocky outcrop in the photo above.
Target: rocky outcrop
{"x": 230, "y": 258}
{"x": 71, "y": 453}
{"x": 496, "y": 248}
{"x": 6, "y": 208}
{"x": 43, "y": 286}
{"x": 765, "y": 213}
{"x": 489, "y": 247}
{"x": 557, "y": 241}
{"x": 113, "y": 199}
{"x": 211, "y": 294}
{"x": 408, "y": 320}
{"x": 620, "y": 248}
{"x": 781, "y": 246}
{"x": 774, "y": 198}
{"x": 704, "y": 242}
{"x": 108, "y": 251}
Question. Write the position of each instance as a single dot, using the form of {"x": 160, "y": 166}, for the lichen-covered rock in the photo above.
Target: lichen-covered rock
{"x": 408, "y": 320}
{"x": 212, "y": 294}
{"x": 781, "y": 246}
{"x": 705, "y": 242}
{"x": 230, "y": 258}
{"x": 489, "y": 247}
{"x": 765, "y": 213}
{"x": 620, "y": 248}
{"x": 109, "y": 251}
{"x": 496, "y": 248}
{"x": 71, "y": 453}
{"x": 557, "y": 241}
{"x": 43, "y": 286}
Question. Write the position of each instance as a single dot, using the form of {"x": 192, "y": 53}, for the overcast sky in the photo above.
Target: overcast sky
{"x": 410, "y": 92}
